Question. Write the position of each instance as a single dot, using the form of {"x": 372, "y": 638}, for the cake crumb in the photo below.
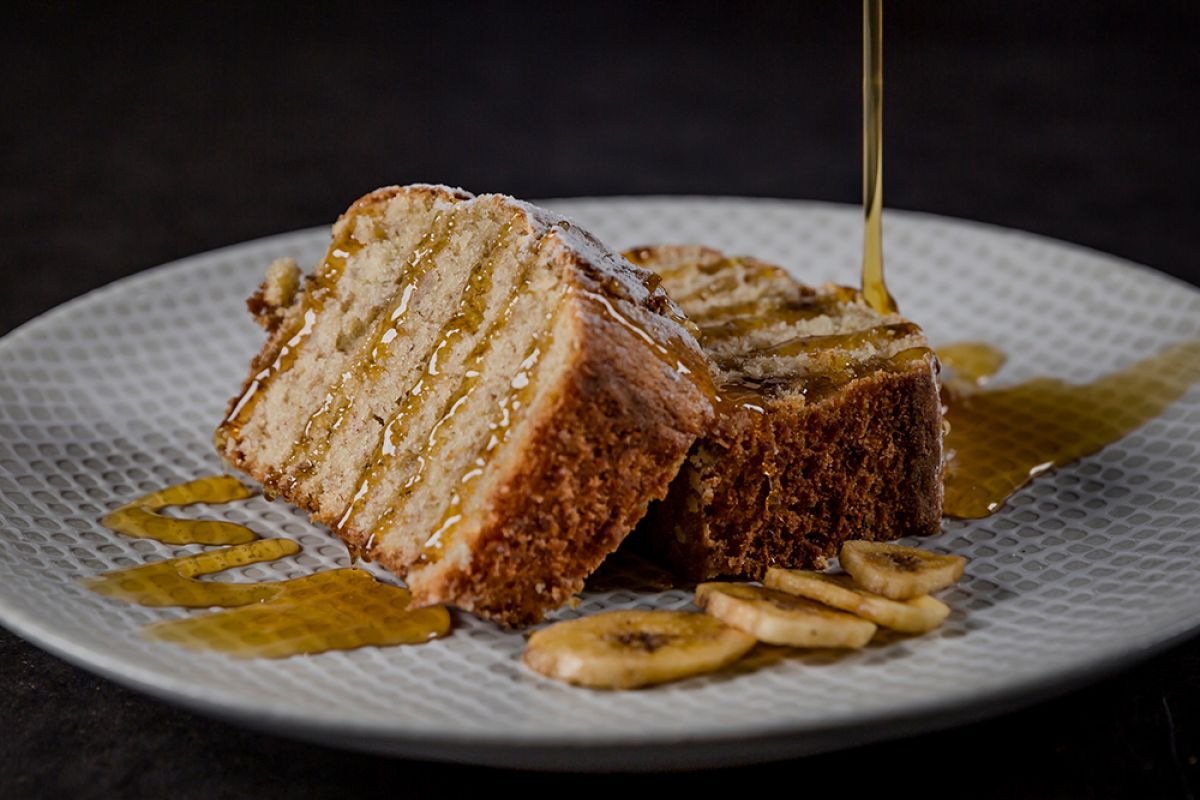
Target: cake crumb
{"x": 275, "y": 296}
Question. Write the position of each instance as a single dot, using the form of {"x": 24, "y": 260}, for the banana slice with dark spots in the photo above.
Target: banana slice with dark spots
{"x": 918, "y": 615}
{"x": 627, "y": 649}
{"x": 780, "y": 618}
{"x": 899, "y": 572}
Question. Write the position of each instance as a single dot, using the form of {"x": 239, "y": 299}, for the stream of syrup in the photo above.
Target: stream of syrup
{"x": 338, "y": 609}
{"x": 874, "y": 287}
{"x": 999, "y": 439}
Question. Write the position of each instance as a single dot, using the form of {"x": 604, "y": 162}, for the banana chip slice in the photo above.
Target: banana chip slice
{"x": 918, "y": 615}
{"x": 780, "y": 618}
{"x": 899, "y": 572}
{"x": 627, "y": 649}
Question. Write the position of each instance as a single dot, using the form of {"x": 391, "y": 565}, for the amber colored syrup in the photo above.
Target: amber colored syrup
{"x": 874, "y": 287}
{"x": 971, "y": 363}
{"x": 505, "y": 415}
{"x": 341, "y": 609}
{"x": 771, "y": 309}
{"x": 751, "y": 272}
{"x": 141, "y": 520}
{"x": 466, "y": 321}
{"x": 334, "y": 610}
{"x": 173, "y": 582}
{"x": 1001, "y": 438}
{"x": 753, "y": 394}
{"x": 879, "y": 336}
{"x": 739, "y": 319}
{"x": 313, "y": 443}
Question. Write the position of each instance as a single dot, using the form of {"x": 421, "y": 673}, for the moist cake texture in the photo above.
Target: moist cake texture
{"x": 829, "y": 425}
{"x": 471, "y": 391}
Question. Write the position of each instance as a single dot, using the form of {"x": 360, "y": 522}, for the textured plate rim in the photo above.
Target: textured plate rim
{"x": 633, "y": 752}
{"x": 726, "y": 746}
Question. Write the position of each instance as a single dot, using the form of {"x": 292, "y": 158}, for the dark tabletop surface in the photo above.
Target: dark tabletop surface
{"x": 131, "y": 138}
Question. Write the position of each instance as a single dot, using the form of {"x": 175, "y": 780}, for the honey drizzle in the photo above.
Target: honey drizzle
{"x": 321, "y": 285}
{"x": 140, "y": 519}
{"x": 334, "y": 610}
{"x": 341, "y": 609}
{"x": 370, "y": 361}
{"x": 815, "y": 387}
{"x": 739, "y": 319}
{"x": 736, "y": 319}
{"x": 500, "y": 427}
{"x": 677, "y": 354}
{"x": 971, "y": 363}
{"x": 999, "y": 439}
{"x": 466, "y": 321}
{"x": 710, "y": 268}
{"x": 879, "y": 335}
{"x": 173, "y": 582}
{"x": 874, "y": 286}
{"x": 725, "y": 283}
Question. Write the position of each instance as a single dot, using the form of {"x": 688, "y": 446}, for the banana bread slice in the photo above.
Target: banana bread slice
{"x": 829, "y": 425}
{"x": 471, "y": 391}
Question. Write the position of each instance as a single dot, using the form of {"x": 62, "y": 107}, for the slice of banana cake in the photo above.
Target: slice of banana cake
{"x": 473, "y": 392}
{"x": 829, "y": 425}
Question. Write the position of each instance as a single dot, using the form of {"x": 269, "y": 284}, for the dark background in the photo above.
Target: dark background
{"x": 129, "y": 138}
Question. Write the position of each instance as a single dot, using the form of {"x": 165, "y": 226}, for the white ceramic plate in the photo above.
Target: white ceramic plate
{"x": 117, "y": 393}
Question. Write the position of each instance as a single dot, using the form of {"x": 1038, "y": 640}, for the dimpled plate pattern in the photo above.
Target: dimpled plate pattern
{"x": 117, "y": 393}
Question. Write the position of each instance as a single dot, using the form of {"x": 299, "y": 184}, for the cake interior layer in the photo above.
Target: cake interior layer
{"x": 419, "y": 364}
{"x": 768, "y": 336}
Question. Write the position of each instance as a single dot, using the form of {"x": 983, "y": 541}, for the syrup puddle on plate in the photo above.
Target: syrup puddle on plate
{"x": 338, "y": 609}
{"x": 1001, "y": 438}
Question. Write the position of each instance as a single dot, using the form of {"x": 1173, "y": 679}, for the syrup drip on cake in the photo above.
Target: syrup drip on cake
{"x": 339, "y": 609}
{"x": 749, "y": 393}
{"x": 322, "y": 286}
{"x": 675, "y": 354}
{"x": 739, "y": 319}
{"x": 874, "y": 287}
{"x": 780, "y": 303}
{"x": 466, "y": 322}
{"x": 800, "y": 345}
{"x": 1001, "y": 438}
{"x": 311, "y": 446}
{"x": 508, "y": 409}
{"x": 755, "y": 270}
